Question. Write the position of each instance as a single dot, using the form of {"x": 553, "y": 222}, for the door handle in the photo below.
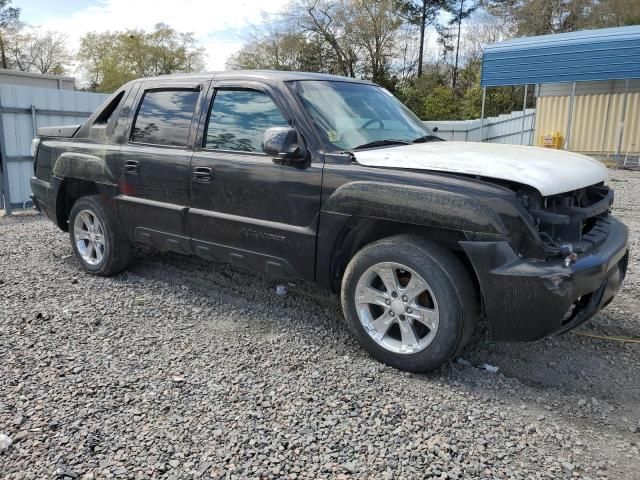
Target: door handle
{"x": 132, "y": 167}
{"x": 202, "y": 174}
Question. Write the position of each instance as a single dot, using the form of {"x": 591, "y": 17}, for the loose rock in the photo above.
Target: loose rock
{"x": 179, "y": 368}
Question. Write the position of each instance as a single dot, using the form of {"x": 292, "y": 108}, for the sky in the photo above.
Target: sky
{"x": 220, "y": 26}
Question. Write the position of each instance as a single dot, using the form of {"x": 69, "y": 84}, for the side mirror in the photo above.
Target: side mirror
{"x": 283, "y": 143}
{"x": 434, "y": 129}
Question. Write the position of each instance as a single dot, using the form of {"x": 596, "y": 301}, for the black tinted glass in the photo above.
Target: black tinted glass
{"x": 164, "y": 118}
{"x": 239, "y": 118}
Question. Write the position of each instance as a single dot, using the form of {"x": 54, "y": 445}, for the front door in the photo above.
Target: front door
{"x": 155, "y": 170}
{"x": 245, "y": 207}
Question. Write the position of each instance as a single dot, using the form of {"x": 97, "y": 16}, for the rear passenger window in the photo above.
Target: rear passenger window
{"x": 238, "y": 119}
{"x": 164, "y": 117}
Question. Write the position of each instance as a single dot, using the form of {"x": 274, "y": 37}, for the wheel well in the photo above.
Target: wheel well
{"x": 71, "y": 190}
{"x": 361, "y": 232}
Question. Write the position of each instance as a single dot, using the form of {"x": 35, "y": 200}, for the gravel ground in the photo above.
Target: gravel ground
{"x": 183, "y": 369}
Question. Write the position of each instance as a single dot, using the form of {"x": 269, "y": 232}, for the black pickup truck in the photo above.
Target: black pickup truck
{"x": 334, "y": 181}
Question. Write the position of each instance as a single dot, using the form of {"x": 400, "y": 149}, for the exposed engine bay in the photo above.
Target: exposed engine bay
{"x": 579, "y": 219}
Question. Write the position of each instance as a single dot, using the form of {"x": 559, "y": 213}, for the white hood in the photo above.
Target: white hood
{"x": 549, "y": 171}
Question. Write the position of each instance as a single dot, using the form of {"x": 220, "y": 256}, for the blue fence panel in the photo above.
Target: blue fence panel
{"x": 22, "y": 110}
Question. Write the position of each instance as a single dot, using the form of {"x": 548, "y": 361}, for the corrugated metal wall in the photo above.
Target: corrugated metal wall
{"x": 588, "y": 88}
{"x": 507, "y": 128}
{"x": 28, "y": 79}
{"x": 596, "y": 121}
{"x": 22, "y": 110}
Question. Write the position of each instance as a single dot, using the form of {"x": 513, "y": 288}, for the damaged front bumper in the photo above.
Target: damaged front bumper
{"x": 527, "y": 300}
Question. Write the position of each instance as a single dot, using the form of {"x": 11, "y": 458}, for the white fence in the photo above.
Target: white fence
{"x": 22, "y": 111}
{"x": 514, "y": 128}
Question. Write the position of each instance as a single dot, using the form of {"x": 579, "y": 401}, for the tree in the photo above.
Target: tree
{"x": 344, "y": 37}
{"x": 43, "y": 52}
{"x": 111, "y": 59}
{"x": 375, "y": 24}
{"x": 616, "y": 13}
{"x": 461, "y": 10}
{"x": 98, "y": 57}
{"x": 280, "y": 45}
{"x": 327, "y": 21}
{"x": 482, "y": 29}
{"x": 428, "y": 96}
{"x": 384, "y": 40}
{"x": 542, "y": 17}
{"x": 420, "y": 13}
{"x": 9, "y": 23}
{"x": 280, "y": 50}
{"x": 169, "y": 51}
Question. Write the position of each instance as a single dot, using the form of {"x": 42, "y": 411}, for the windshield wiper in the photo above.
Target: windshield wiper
{"x": 426, "y": 138}
{"x": 381, "y": 143}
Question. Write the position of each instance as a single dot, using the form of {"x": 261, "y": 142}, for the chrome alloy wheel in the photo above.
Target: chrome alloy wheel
{"x": 397, "y": 308}
{"x": 88, "y": 234}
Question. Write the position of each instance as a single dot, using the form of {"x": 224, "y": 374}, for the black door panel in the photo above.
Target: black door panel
{"x": 155, "y": 177}
{"x": 156, "y": 193}
{"x": 255, "y": 205}
{"x": 251, "y": 211}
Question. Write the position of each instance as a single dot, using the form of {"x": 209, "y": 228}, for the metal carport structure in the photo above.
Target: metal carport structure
{"x": 567, "y": 60}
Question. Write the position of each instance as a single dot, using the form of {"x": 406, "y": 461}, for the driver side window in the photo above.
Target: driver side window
{"x": 238, "y": 119}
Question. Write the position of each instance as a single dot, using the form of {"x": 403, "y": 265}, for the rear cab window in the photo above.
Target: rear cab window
{"x": 164, "y": 117}
{"x": 107, "y": 112}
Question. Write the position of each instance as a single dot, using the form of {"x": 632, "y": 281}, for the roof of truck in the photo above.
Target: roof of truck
{"x": 261, "y": 75}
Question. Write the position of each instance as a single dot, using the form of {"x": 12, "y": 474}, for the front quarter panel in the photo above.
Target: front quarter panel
{"x": 446, "y": 205}
{"x": 427, "y": 206}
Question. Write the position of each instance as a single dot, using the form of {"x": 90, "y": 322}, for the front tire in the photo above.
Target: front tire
{"x": 409, "y": 302}
{"x": 94, "y": 238}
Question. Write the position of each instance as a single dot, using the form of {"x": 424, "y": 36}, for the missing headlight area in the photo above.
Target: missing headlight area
{"x": 579, "y": 218}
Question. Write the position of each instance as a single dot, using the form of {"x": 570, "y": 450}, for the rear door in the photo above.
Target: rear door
{"x": 155, "y": 169}
{"x": 245, "y": 207}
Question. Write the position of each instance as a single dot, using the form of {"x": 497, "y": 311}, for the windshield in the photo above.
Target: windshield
{"x": 351, "y": 115}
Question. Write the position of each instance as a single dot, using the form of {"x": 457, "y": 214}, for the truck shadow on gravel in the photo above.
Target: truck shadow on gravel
{"x": 216, "y": 282}
{"x": 569, "y": 364}
{"x": 593, "y": 380}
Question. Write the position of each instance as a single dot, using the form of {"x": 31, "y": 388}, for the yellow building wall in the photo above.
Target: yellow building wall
{"x": 596, "y": 121}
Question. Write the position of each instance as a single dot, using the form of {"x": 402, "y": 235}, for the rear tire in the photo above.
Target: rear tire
{"x": 409, "y": 302}
{"x": 95, "y": 238}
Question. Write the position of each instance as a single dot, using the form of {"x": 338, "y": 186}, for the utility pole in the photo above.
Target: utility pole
{"x": 423, "y": 23}
{"x": 455, "y": 68}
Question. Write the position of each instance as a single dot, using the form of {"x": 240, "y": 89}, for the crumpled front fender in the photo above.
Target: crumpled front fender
{"x": 415, "y": 205}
